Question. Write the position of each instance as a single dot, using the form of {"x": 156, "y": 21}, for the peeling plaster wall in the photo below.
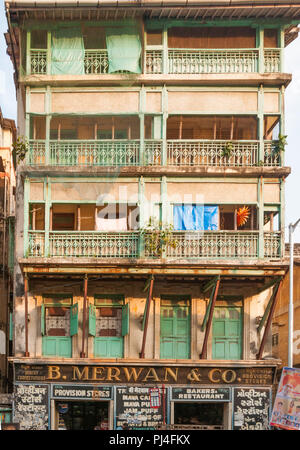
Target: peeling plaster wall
{"x": 254, "y": 306}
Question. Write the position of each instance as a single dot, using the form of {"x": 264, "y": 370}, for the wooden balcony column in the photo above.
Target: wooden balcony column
{"x": 207, "y": 321}
{"x": 269, "y": 311}
{"x": 82, "y": 354}
{"x": 146, "y": 315}
{"x": 26, "y": 315}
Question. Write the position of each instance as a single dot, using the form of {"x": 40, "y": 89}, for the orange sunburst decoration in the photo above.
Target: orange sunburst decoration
{"x": 242, "y": 215}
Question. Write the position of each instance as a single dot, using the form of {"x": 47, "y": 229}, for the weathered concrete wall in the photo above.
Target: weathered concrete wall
{"x": 254, "y": 306}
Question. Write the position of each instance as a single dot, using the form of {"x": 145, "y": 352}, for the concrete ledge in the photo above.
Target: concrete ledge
{"x": 129, "y": 80}
{"x": 196, "y": 171}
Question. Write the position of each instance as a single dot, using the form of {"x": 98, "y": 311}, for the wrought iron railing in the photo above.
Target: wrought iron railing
{"x": 212, "y": 153}
{"x": 125, "y": 152}
{"x": 189, "y": 61}
{"x": 272, "y": 60}
{"x": 95, "y": 153}
{"x": 180, "y": 61}
{"x": 272, "y": 244}
{"x": 95, "y": 61}
{"x": 93, "y": 244}
{"x": 38, "y": 61}
{"x": 272, "y": 156}
{"x": 185, "y": 245}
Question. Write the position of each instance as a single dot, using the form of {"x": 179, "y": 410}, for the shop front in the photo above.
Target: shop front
{"x": 90, "y": 397}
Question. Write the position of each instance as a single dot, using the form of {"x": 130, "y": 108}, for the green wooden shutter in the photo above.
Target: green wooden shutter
{"x": 43, "y": 319}
{"x": 74, "y": 319}
{"x": 92, "y": 320}
{"x": 125, "y": 319}
{"x": 10, "y": 326}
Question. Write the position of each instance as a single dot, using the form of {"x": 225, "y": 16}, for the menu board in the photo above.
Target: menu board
{"x": 134, "y": 408}
{"x": 31, "y": 406}
{"x": 251, "y": 408}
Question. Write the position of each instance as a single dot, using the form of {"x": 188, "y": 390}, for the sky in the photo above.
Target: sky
{"x": 292, "y": 118}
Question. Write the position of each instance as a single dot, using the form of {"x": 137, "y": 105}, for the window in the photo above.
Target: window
{"x": 175, "y": 333}
{"x": 275, "y": 339}
{"x": 109, "y": 323}
{"x": 59, "y": 322}
{"x": 227, "y": 328}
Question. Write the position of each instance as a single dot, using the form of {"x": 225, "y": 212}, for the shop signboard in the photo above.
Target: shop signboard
{"x": 194, "y": 394}
{"x": 286, "y": 410}
{"x": 133, "y": 408}
{"x": 81, "y": 392}
{"x": 31, "y": 408}
{"x": 251, "y": 408}
{"x": 144, "y": 374}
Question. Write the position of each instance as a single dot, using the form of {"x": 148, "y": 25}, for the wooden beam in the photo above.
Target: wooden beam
{"x": 269, "y": 321}
{"x": 203, "y": 354}
{"x": 142, "y": 353}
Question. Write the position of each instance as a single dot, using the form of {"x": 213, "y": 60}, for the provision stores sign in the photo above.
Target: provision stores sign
{"x": 144, "y": 374}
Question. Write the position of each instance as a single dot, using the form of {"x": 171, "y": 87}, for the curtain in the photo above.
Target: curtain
{"x": 124, "y": 51}
{"x": 196, "y": 217}
{"x": 211, "y": 218}
{"x": 67, "y": 52}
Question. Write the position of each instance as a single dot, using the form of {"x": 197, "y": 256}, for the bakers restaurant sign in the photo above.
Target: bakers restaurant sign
{"x": 144, "y": 374}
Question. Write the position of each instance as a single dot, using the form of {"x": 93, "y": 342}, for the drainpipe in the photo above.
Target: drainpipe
{"x": 82, "y": 354}
{"x": 26, "y": 314}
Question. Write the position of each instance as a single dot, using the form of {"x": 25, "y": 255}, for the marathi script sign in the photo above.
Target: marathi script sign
{"x": 31, "y": 406}
{"x": 133, "y": 408}
{"x": 251, "y": 407}
{"x": 286, "y": 410}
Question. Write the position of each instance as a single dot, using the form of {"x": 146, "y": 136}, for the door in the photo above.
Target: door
{"x": 227, "y": 333}
{"x": 175, "y": 330}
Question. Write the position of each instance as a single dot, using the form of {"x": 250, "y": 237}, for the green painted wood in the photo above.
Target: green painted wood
{"x": 92, "y": 320}
{"x": 74, "y": 319}
{"x": 108, "y": 347}
{"x": 43, "y": 319}
{"x": 26, "y": 215}
{"x": 57, "y": 346}
{"x": 28, "y": 46}
{"x": 175, "y": 334}
{"x": 125, "y": 319}
{"x": 227, "y": 333}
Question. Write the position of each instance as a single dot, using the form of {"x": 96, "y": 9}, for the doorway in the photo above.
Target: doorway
{"x": 199, "y": 414}
{"x": 82, "y": 415}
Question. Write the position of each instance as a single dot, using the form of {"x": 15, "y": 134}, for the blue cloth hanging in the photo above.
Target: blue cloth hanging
{"x": 195, "y": 217}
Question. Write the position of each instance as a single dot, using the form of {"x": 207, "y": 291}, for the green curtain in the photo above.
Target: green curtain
{"x": 67, "y": 52}
{"x": 124, "y": 51}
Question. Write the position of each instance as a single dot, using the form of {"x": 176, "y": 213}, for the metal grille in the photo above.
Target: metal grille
{"x": 36, "y": 153}
{"x": 272, "y": 245}
{"x": 154, "y": 61}
{"x": 271, "y": 157}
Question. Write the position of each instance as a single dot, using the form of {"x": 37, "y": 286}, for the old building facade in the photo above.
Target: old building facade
{"x": 7, "y": 217}
{"x": 150, "y": 246}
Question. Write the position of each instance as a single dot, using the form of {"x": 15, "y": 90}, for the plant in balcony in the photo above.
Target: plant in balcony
{"x": 20, "y": 148}
{"x": 278, "y": 145}
{"x": 227, "y": 149}
{"x": 157, "y": 237}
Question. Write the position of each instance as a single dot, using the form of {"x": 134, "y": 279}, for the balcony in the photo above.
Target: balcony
{"x": 150, "y": 152}
{"x": 179, "y": 61}
{"x": 189, "y": 245}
